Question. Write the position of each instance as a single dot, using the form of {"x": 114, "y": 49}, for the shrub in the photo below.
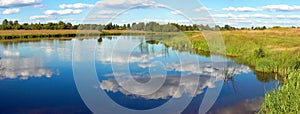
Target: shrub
{"x": 260, "y": 53}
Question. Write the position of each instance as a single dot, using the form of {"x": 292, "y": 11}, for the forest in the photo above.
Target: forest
{"x": 150, "y": 26}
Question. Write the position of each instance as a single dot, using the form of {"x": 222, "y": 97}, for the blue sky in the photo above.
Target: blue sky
{"x": 239, "y": 13}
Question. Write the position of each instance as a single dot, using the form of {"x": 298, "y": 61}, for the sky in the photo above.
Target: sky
{"x": 238, "y": 13}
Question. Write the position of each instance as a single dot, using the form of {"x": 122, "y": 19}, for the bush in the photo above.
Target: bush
{"x": 260, "y": 53}
{"x": 297, "y": 66}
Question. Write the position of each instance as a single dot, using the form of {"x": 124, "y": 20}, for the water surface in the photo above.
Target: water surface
{"x": 37, "y": 77}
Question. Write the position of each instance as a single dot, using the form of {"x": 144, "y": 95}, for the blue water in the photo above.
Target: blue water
{"x": 37, "y": 77}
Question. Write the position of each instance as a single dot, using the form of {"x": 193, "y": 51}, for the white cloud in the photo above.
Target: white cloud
{"x": 202, "y": 9}
{"x": 229, "y": 15}
{"x": 208, "y": 68}
{"x": 288, "y": 16}
{"x": 11, "y": 53}
{"x": 97, "y": 17}
{"x": 164, "y": 21}
{"x": 76, "y": 6}
{"x": 17, "y": 3}
{"x": 261, "y": 16}
{"x": 174, "y": 86}
{"x": 272, "y": 8}
{"x": 11, "y": 11}
{"x": 39, "y": 6}
{"x": 239, "y": 20}
{"x": 281, "y": 7}
{"x": 23, "y": 68}
{"x": 106, "y": 12}
{"x": 240, "y": 9}
{"x": 176, "y": 12}
{"x": 120, "y": 4}
{"x": 62, "y": 12}
{"x": 41, "y": 17}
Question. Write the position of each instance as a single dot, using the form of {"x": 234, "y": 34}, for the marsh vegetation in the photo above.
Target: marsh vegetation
{"x": 267, "y": 51}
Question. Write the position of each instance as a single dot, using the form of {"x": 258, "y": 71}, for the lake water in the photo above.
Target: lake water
{"x": 37, "y": 77}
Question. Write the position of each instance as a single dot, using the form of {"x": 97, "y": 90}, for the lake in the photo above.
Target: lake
{"x": 37, "y": 77}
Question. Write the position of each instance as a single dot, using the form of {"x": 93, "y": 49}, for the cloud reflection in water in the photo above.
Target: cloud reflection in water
{"x": 13, "y": 66}
{"x": 175, "y": 86}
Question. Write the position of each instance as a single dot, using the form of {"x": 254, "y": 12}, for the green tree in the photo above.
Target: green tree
{"x": 128, "y": 26}
{"x": 68, "y": 26}
{"x": 9, "y": 25}
{"x": 61, "y": 25}
{"x": 16, "y": 26}
{"x": 4, "y": 24}
{"x": 134, "y": 27}
{"x": 109, "y": 26}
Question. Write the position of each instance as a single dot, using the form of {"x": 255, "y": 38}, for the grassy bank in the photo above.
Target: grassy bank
{"x": 284, "y": 100}
{"x": 266, "y": 51}
{"x": 30, "y": 34}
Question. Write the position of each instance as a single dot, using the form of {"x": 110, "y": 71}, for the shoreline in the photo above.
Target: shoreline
{"x": 33, "y": 34}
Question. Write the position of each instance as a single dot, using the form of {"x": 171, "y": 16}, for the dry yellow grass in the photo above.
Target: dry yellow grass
{"x": 277, "y": 48}
{"x": 278, "y": 31}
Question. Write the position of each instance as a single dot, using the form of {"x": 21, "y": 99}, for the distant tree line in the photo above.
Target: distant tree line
{"x": 150, "y": 26}
{"x": 14, "y": 25}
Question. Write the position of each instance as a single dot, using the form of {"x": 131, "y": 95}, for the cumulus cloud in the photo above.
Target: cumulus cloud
{"x": 106, "y": 12}
{"x": 11, "y": 53}
{"x": 11, "y": 11}
{"x": 120, "y": 4}
{"x": 41, "y": 17}
{"x": 240, "y": 9}
{"x": 76, "y": 6}
{"x": 249, "y": 16}
{"x": 174, "y": 86}
{"x": 281, "y": 7}
{"x": 39, "y": 6}
{"x": 62, "y": 12}
{"x": 272, "y": 8}
{"x": 23, "y": 68}
{"x": 176, "y": 12}
{"x": 52, "y": 14}
{"x": 257, "y": 16}
{"x": 288, "y": 16}
{"x": 208, "y": 68}
{"x": 164, "y": 21}
{"x": 17, "y": 3}
{"x": 223, "y": 15}
{"x": 229, "y": 15}
{"x": 202, "y": 9}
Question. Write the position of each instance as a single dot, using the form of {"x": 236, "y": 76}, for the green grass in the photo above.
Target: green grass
{"x": 267, "y": 51}
{"x": 285, "y": 100}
